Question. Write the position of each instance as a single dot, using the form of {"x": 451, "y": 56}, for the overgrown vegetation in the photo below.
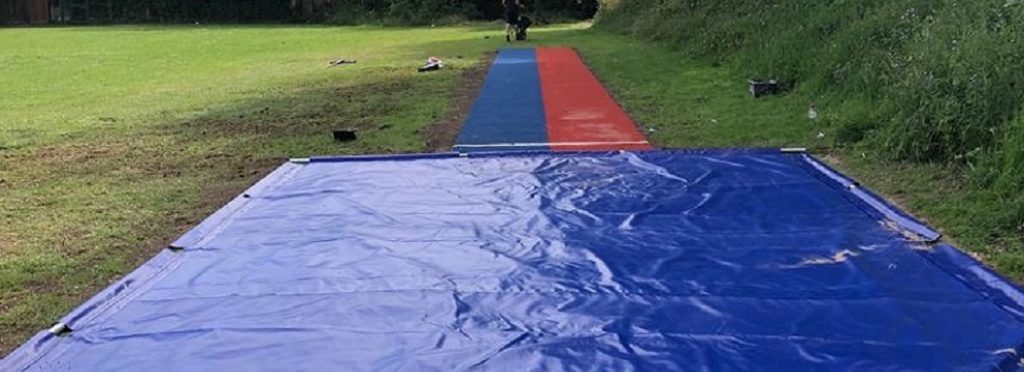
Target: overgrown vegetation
{"x": 396, "y": 12}
{"x": 175, "y": 11}
{"x": 919, "y": 81}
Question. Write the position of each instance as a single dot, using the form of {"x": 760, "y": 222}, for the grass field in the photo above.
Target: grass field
{"x": 114, "y": 140}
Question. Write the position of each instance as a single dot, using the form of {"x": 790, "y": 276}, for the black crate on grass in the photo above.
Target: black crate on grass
{"x": 760, "y": 88}
{"x": 344, "y": 135}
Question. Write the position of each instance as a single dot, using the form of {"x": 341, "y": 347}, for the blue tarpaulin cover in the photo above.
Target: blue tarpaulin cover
{"x": 663, "y": 260}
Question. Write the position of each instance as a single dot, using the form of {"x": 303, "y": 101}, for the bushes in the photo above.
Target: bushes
{"x": 406, "y": 12}
{"x": 418, "y": 12}
{"x": 960, "y": 90}
{"x": 943, "y": 73}
{"x": 177, "y": 11}
{"x": 1000, "y": 172}
{"x": 424, "y": 12}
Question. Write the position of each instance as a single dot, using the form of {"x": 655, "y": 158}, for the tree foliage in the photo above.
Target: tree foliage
{"x": 443, "y": 11}
{"x": 341, "y": 11}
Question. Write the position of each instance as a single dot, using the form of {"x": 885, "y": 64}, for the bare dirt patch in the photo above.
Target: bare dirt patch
{"x": 441, "y": 135}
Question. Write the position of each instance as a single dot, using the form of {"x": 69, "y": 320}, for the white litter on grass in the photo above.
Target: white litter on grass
{"x": 812, "y": 113}
{"x": 432, "y": 64}
{"x": 339, "y": 62}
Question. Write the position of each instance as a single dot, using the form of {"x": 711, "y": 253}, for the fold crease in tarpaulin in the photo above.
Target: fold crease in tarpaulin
{"x": 750, "y": 259}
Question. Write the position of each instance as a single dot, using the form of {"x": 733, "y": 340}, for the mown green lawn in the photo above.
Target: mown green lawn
{"x": 114, "y": 140}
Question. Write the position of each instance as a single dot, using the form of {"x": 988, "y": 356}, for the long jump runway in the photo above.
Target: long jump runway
{"x": 668, "y": 260}
{"x": 546, "y": 99}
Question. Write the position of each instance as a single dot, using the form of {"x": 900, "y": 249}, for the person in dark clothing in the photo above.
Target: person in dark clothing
{"x": 512, "y": 12}
{"x": 524, "y": 24}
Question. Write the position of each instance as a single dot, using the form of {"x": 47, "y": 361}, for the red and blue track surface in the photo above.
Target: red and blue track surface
{"x": 546, "y": 99}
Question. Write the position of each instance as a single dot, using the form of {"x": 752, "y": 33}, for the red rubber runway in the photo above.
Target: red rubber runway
{"x": 580, "y": 113}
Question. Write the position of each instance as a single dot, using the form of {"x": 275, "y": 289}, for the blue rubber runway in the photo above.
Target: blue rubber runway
{"x": 658, "y": 260}
{"x": 510, "y": 108}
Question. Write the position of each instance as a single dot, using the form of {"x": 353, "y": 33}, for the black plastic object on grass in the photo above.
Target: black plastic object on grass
{"x": 760, "y": 88}
{"x": 344, "y": 135}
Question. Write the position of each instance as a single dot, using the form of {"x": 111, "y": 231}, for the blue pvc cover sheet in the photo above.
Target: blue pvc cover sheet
{"x": 670, "y": 260}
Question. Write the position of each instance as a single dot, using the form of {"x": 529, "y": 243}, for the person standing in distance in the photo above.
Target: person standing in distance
{"x": 512, "y": 11}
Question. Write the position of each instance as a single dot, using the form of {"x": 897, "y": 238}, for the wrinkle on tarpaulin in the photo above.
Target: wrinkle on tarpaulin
{"x": 660, "y": 260}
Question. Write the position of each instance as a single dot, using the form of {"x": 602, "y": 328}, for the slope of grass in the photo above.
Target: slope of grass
{"x": 942, "y": 75}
